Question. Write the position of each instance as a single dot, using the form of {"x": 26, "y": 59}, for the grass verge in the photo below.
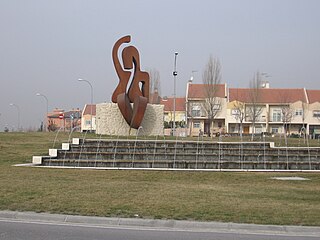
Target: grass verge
{"x": 217, "y": 196}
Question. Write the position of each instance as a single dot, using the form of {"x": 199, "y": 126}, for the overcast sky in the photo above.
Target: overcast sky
{"x": 45, "y": 46}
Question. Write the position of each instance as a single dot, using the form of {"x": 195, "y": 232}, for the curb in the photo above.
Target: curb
{"x": 173, "y": 225}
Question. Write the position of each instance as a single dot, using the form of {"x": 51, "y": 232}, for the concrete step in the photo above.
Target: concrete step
{"x": 164, "y": 163}
{"x": 183, "y": 154}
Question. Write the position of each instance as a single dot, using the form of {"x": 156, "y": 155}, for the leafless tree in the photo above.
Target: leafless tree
{"x": 154, "y": 81}
{"x": 286, "y": 113}
{"x": 286, "y": 116}
{"x": 194, "y": 110}
{"x": 254, "y": 109}
{"x": 240, "y": 115}
{"x": 211, "y": 78}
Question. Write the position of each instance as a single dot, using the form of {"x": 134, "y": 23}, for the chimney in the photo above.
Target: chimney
{"x": 265, "y": 84}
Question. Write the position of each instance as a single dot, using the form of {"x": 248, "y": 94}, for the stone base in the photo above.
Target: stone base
{"x": 109, "y": 121}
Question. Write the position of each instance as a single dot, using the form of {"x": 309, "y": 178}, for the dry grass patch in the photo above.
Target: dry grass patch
{"x": 217, "y": 196}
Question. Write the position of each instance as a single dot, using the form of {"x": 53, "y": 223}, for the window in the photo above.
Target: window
{"x": 216, "y": 107}
{"x": 316, "y": 113}
{"x": 235, "y": 112}
{"x": 274, "y": 130}
{"x": 88, "y": 122}
{"x": 276, "y": 115}
{"x": 195, "y": 112}
{"x": 196, "y": 124}
{"x": 258, "y": 129}
{"x": 299, "y": 112}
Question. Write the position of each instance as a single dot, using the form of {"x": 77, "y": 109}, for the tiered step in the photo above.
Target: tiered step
{"x": 111, "y": 153}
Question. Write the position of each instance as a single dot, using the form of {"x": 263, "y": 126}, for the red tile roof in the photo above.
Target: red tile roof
{"x": 198, "y": 90}
{"x": 168, "y": 104}
{"x": 87, "y": 109}
{"x": 313, "y": 96}
{"x": 268, "y": 95}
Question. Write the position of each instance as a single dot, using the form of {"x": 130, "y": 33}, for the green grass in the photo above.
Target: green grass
{"x": 217, "y": 196}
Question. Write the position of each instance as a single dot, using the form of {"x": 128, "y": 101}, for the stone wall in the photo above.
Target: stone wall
{"x": 109, "y": 121}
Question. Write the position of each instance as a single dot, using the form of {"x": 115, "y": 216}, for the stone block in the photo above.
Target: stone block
{"x": 65, "y": 146}
{"x": 111, "y": 122}
{"x": 37, "y": 160}
{"x": 75, "y": 141}
{"x": 53, "y": 152}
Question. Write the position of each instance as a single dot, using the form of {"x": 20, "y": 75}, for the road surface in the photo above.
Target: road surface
{"x": 33, "y": 226}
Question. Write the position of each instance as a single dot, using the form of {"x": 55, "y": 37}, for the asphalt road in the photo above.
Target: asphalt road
{"x": 11, "y": 229}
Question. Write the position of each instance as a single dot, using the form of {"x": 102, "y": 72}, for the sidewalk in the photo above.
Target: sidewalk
{"x": 170, "y": 225}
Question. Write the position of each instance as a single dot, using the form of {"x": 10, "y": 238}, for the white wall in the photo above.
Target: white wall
{"x": 111, "y": 122}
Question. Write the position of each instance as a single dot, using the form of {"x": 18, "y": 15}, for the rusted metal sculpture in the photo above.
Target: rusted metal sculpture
{"x": 138, "y": 91}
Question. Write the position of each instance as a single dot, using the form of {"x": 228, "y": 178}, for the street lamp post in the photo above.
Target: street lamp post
{"x": 18, "y": 109}
{"x": 47, "y": 103}
{"x": 175, "y": 73}
{"x": 91, "y": 88}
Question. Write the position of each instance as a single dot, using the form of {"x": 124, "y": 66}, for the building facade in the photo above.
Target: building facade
{"x": 61, "y": 120}
{"x": 180, "y": 115}
{"x": 199, "y": 104}
{"x": 88, "y": 115}
{"x": 247, "y": 110}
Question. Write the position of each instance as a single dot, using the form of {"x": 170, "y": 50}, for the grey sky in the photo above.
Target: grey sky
{"x": 45, "y": 46}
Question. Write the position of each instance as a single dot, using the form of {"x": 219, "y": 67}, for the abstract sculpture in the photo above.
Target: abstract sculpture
{"x": 138, "y": 91}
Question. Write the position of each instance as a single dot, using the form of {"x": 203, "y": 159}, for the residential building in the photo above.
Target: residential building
{"x": 88, "y": 114}
{"x": 248, "y": 110}
{"x": 272, "y": 110}
{"x": 59, "y": 119}
{"x": 180, "y": 115}
{"x": 199, "y": 104}
{"x": 312, "y": 116}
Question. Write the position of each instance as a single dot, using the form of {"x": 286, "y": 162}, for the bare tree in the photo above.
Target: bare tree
{"x": 154, "y": 81}
{"x": 211, "y": 78}
{"x": 286, "y": 114}
{"x": 239, "y": 111}
{"x": 254, "y": 109}
{"x": 286, "y": 117}
{"x": 240, "y": 115}
{"x": 194, "y": 110}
